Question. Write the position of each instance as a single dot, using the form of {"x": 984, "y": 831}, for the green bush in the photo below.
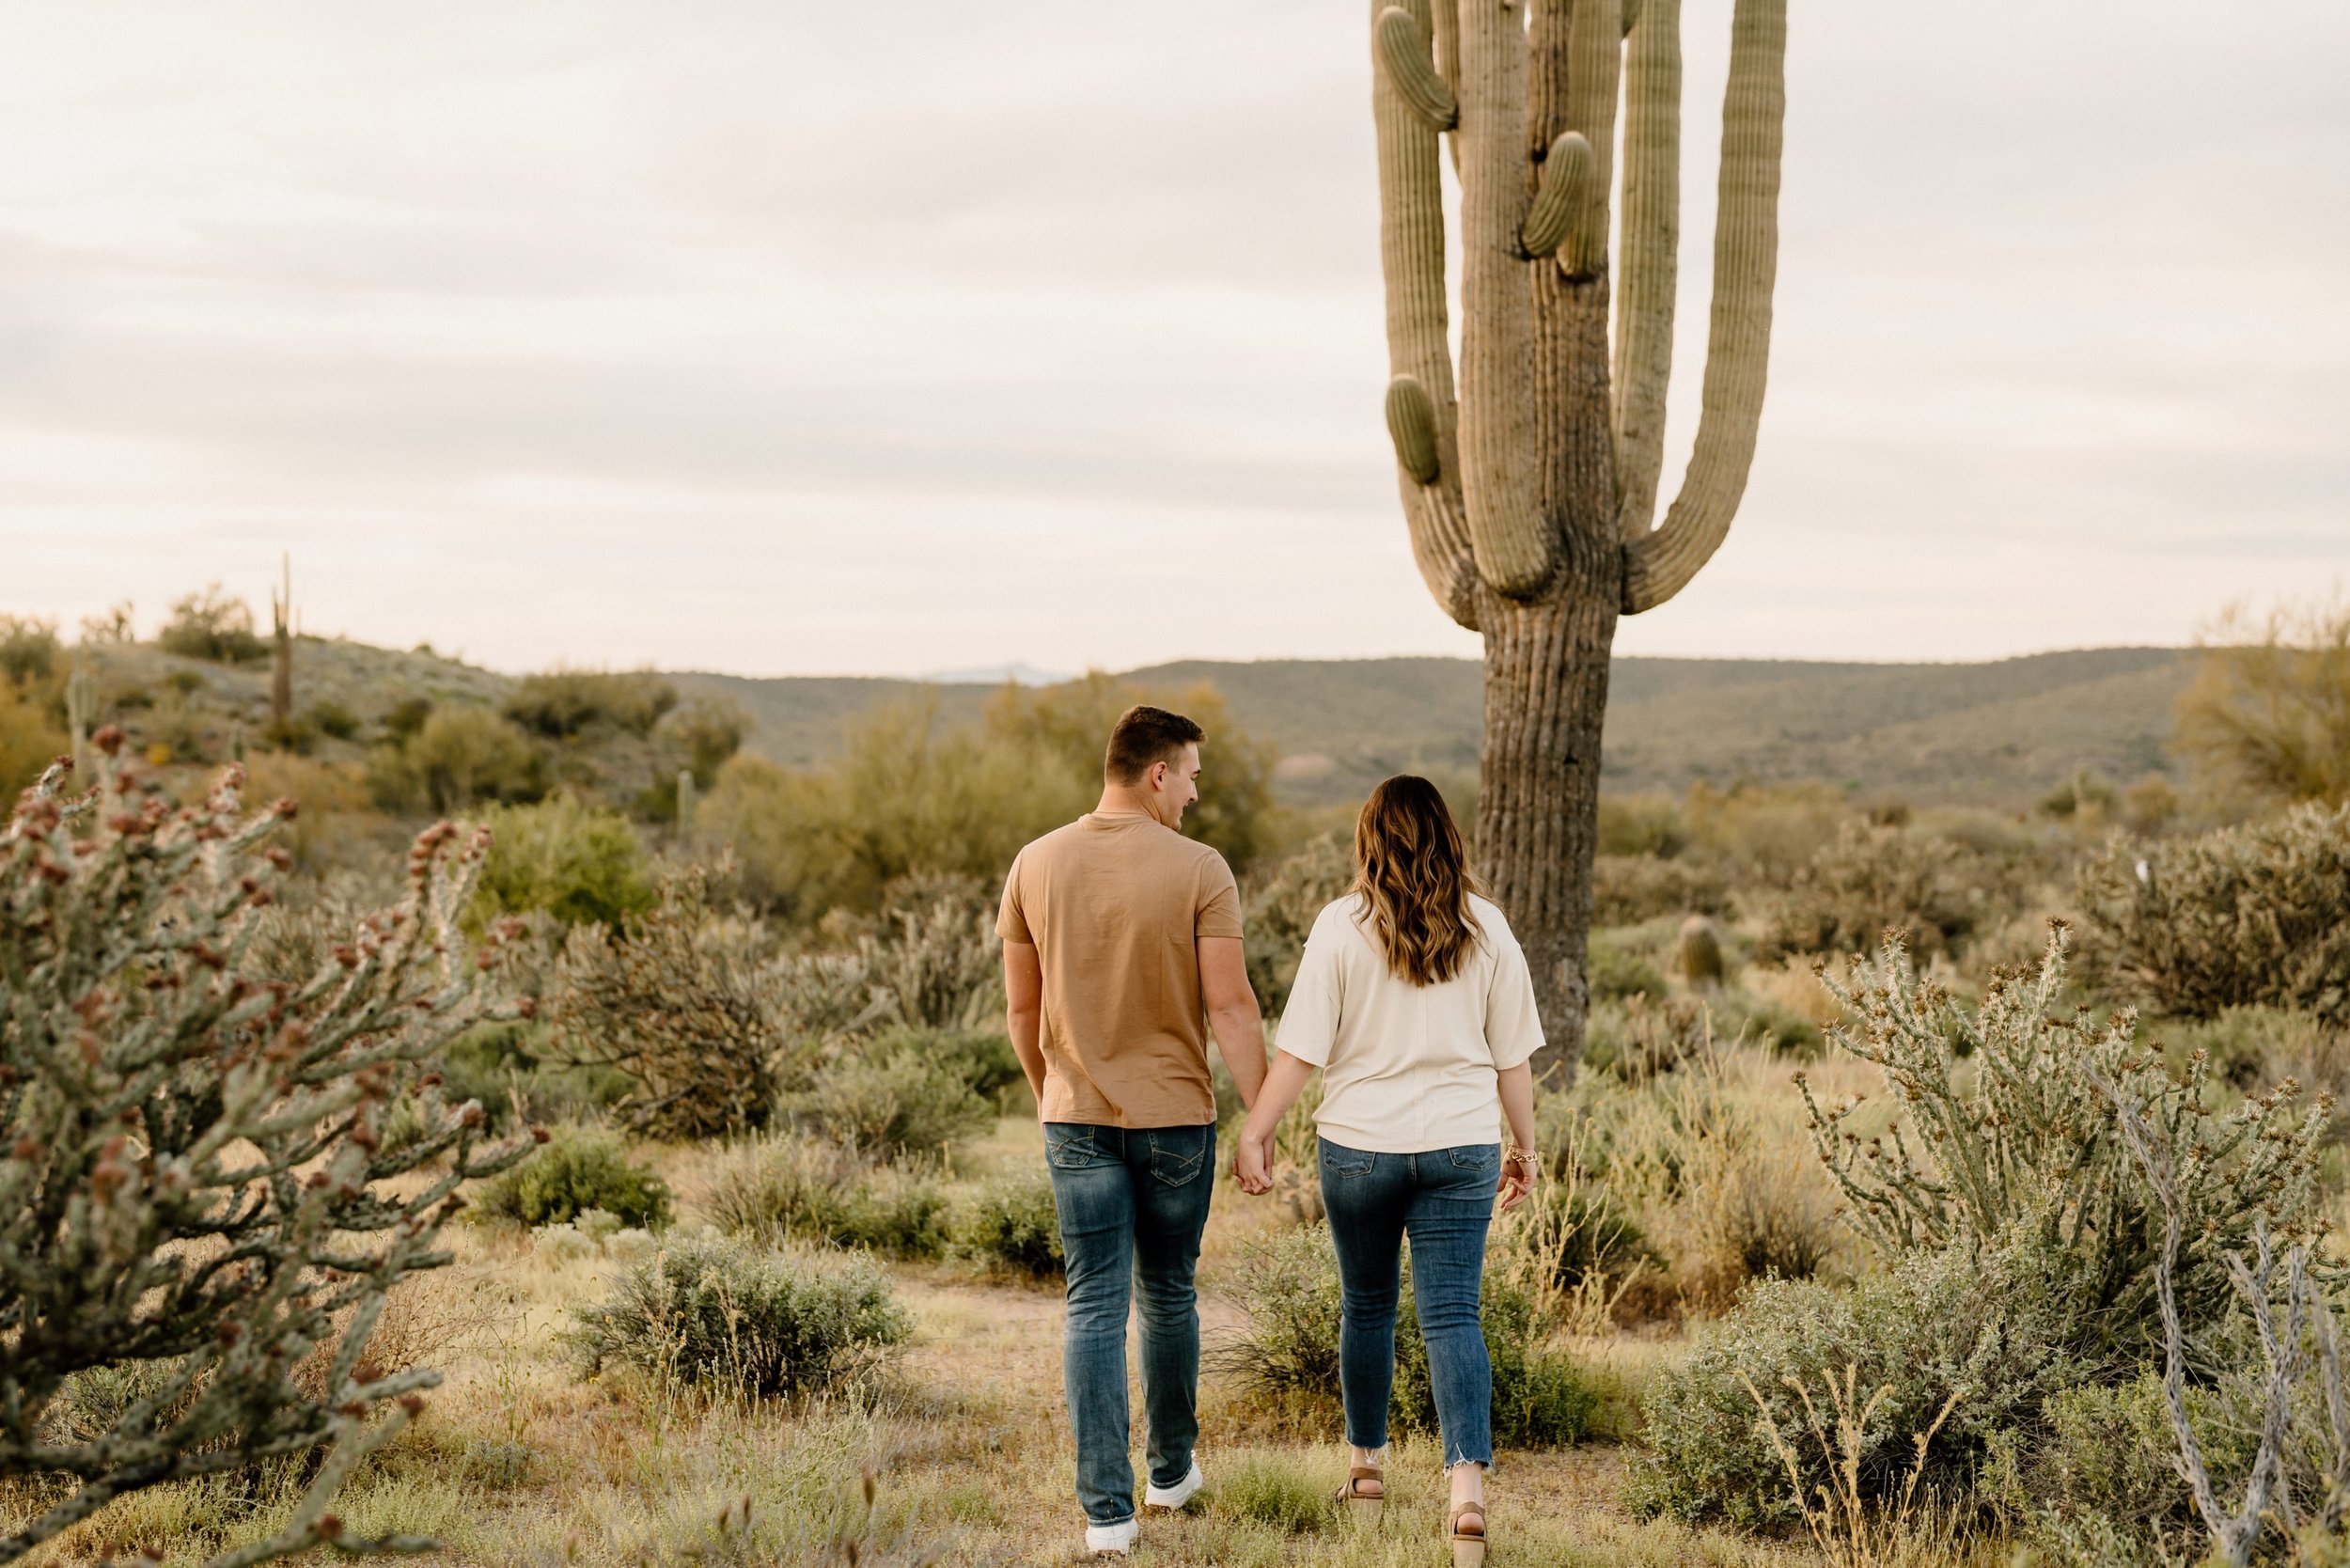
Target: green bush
{"x": 682, "y": 1007}
{"x": 1641, "y": 827}
{"x": 2252, "y": 915}
{"x": 1982, "y": 1325}
{"x": 456, "y": 758}
{"x": 332, "y": 719}
{"x": 1627, "y": 889}
{"x": 1013, "y": 1225}
{"x": 1540, "y": 1398}
{"x": 211, "y": 625}
{"x": 1872, "y": 881}
{"x": 890, "y": 1094}
{"x": 1617, "y": 971}
{"x": 719, "y": 1314}
{"x": 580, "y": 1168}
{"x": 803, "y": 1189}
{"x": 577, "y": 862}
{"x": 1281, "y": 911}
{"x": 28, "y": 651}
{"x": 560, "y": 703}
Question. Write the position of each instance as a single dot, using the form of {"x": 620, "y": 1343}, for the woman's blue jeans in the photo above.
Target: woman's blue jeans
{"x": 1133, "y": 1203}
{"x": 1443, "y": 1200}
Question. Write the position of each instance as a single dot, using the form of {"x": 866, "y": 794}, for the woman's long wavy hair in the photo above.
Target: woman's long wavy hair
{"x": 1414, "y": 873}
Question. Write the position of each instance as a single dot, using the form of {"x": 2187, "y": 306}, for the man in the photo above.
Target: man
{"x": 1119, "y": 935}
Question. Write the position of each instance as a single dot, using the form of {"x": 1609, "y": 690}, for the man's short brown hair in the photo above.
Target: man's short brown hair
{"x": 1144, "y": 735}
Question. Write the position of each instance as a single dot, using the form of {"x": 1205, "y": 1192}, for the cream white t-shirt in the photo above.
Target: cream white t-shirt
{"x": 1409, "y": 1068}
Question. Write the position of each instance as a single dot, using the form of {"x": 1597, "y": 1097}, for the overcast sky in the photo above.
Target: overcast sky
{"x": 796, "y": 337}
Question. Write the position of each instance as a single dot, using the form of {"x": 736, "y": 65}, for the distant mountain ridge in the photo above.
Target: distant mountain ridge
{"x": 2001, "y": 732}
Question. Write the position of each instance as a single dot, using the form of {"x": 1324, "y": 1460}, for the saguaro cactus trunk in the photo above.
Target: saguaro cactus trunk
{"x": 1531, "y": 493}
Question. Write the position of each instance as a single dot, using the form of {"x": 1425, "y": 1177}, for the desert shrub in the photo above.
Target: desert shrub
{"x": 1281, "y": 911}
{"x": 1765, "y": 832}
{"x": 806, "y": 1190}
{"x": 28, "y": 650}
{"x": 1975, "y": 1324}
{"x": 30, "y": 742}
{"x": 406, "y": 716}
{"x": 331, "y": 718}
{"x": 680, "y": 1005}
{"x": 718, "y": 1315}
{"x": 156, "y": 1097}
{"x": 2257, "y": 914}
{"x": 1616, "y": 971}
{"x": 1868, "y": 882}
{"x": 577, "y": 862}
{"x": 1646, "y": 1033}
{"x": 1278, "y": 1491}
{"x": 889, "y": 1094}
{"x": 2023, "y": 1141}
{"x": 1645, "y": 827}
{"x": 560, "y": 703}
{"x": 2257, "y": 1048}
{"x": 1764, "y": 1023}
{"x": 338, "y": 825}
{"x": 1287, "y": 1283}
{"x": 933, "y": 960}
{"x": 457, "y": 758}
{"x": 2269, "y": 711}
{"x": 212, "y": 626}
{"x": 1011, "y": 1224}
{"x": 1627, "y": 889}
{"x": 707, "y": 730}
{"x": 579, "y": 1169}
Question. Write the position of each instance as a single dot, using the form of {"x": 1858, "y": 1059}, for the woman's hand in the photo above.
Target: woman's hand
{"x": 1517, "y": 1177}
{"x": 1248, "y": 1165}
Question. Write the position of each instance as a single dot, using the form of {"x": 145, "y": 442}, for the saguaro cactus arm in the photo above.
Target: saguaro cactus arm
{"x": 1411, "y": 255}
{"x": 1515, "y": 546}
{"x": 1648, "y": 272}
{"x": 1594, "y": 51}
{"x": 1558, "y": 195}
{"x": 1405, "y": 61}
{"x": 1738, "y": 344}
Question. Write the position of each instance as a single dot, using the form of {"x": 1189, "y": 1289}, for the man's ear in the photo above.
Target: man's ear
{"x": 1158, "y": 776}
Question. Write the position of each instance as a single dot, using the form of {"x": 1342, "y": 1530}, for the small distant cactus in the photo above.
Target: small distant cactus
{"x": 281, "y": 657}
{"x": 1701, "y": 951}
{"x": 194, "y": 1176}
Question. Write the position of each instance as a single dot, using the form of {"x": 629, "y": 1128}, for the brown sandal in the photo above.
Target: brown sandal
{"x": 1361, "y": 1506}
{"x": 1468, "y": 1546}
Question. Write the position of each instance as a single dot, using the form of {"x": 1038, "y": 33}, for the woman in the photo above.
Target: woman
{"x": 1415, "y": 1000}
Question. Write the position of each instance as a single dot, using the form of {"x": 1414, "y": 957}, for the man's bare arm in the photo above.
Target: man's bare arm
{"x": 1232, "y": 1012}
{"x": 1023, "y": 1013}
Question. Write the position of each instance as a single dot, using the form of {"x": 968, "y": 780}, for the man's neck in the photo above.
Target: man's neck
{"x": 1120, "y": 801}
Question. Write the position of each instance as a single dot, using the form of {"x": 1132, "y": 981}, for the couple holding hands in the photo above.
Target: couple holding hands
{"x": 1122, "y": 946}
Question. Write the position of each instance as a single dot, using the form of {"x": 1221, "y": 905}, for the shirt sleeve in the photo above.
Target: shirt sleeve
{"x": 1309, "y": 1024}
{"x": 1514, "y": 1029}
{"x": 1012, "y": 922}
{"x": 1219, "y": 901}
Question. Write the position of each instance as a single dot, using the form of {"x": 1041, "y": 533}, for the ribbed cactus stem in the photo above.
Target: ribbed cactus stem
{"x": 1647, "y": 273}
{"x": 1738, "y": 342}
{"x": 685, "y": 804}
{"x": 1411, "y": 69}
{"x": 1412, "y": 259}
{"x": 1412, "y": 425}
{"x": 1559, "y": 196}
{"x": 1514, "y": 543}
{"x": 1631, "y": 17}
{"x": 81, "y": 708}
{"x": 1594, "y": 59}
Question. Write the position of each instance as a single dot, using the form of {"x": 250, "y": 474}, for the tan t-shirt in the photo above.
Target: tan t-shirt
{"x": 1115, "y": 906}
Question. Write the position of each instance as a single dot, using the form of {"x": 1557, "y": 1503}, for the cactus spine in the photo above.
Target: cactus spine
{"x": 1530, "y": 493}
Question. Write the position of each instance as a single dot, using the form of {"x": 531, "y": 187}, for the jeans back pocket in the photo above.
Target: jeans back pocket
{"x": 1178, "y": 1154}
{"x": 1074, "y": 1146}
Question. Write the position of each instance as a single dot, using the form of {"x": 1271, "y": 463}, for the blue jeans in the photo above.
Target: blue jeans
{"x": 1444, "y": 1200}
{"x": 1133, "y": 1203}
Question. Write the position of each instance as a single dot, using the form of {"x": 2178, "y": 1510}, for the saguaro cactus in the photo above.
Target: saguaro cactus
{"x": 281, "y": 660}
{"x": 1530, "y": 493}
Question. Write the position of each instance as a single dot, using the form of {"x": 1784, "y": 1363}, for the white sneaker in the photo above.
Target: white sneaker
{"x": 1178, "y": 1494}
{"x": 1113, "y": 1539}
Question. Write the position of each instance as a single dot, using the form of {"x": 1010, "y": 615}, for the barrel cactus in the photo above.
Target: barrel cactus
{"x": 1529, "y": 480}
{"x": 196, "y": 1195}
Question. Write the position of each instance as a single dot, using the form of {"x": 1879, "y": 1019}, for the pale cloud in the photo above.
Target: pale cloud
{"x": 898, "y": 338}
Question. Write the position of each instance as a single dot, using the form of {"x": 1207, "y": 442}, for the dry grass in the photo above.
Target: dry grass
{"x": 519, "y": 1462}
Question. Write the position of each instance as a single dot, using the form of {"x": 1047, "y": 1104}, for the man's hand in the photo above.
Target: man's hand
{"x": 1249, "y": 1165}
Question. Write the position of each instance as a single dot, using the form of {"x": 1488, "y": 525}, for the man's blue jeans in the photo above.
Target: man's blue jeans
{"x": 1133, "y": 1203}
{"x": 1444, "y": 1200}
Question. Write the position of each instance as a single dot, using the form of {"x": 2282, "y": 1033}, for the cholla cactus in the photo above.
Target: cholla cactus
{"x": 1532, "y": 492}
{"x": 2024, "y": 1141}
{"x": 191, "y": 1181}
